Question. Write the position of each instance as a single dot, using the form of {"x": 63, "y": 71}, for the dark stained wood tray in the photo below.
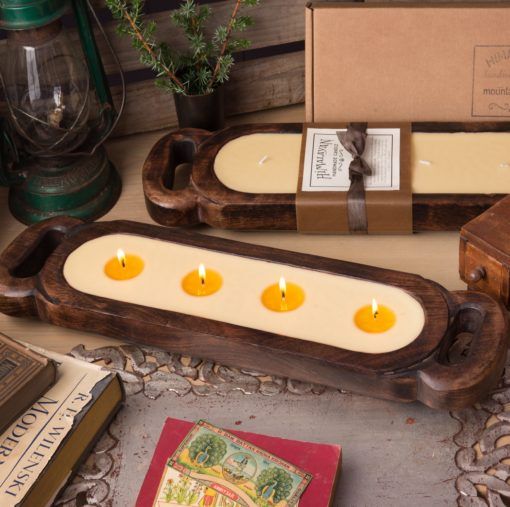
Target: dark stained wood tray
{"x": 207, "y": 200}
{"x": 455, "y": 360}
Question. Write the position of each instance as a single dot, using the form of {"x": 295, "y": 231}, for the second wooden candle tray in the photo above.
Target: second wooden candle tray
{"x": 454, "y": 344}
{"x": 207, "y": 200}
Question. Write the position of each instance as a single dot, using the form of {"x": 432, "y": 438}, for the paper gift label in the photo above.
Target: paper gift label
{"x": 326, "y": 161}
{"x": 323, "y": 201}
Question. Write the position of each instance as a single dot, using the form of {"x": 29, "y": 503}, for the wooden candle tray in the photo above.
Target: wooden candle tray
{"x": 455, "y": 361}
{"x": 207, "y": 200}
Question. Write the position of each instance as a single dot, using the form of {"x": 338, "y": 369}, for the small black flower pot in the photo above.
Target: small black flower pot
{"x": 201, "y": 111}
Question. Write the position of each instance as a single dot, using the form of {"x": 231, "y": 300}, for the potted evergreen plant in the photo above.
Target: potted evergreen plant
{"x": 195, "y": 77}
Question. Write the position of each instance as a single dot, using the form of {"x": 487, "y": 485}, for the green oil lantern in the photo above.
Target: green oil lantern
{"x": 60, "y": 113}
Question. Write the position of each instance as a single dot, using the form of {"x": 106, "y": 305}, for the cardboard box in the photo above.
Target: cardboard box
{"x": 407, "y": 62}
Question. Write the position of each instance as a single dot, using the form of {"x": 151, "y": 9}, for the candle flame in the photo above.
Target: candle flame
{"x": 121, "y": 256}
{"x": 283, "y": 287}
{"x": 201, "y": 273}
{"x": 375, "y": 308}
{"x": 263, "y": 159}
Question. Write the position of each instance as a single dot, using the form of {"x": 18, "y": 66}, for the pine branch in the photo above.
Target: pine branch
{"x": 208, "y": 61}
{"x": 147, "y": 46}
{"x": 224, "y": 46}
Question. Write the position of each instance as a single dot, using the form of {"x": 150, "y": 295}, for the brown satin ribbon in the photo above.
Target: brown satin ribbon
{"x": 354, "y": 140}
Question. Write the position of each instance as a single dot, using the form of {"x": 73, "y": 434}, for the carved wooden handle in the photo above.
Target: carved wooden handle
{"x": 180, "y": 207}
{"x": 459, "y": 382}
{"x": 24, "y": 258}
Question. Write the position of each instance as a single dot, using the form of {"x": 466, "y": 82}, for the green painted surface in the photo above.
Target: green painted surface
{"x": 24, "y": 14}
{"x": 85, "y": 188}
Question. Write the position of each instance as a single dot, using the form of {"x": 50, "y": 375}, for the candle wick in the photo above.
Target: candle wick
{"x": 376, "y": 313}
{"x": 123, "y": 262}
{"x": 284, "y": 301}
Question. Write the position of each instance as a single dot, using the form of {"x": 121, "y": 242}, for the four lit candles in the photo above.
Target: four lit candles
{"x": 280, "y": 297}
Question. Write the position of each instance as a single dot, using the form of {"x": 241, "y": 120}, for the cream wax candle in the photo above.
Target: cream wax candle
{"x": 326, "y": 315}
{"x": 441, "y": 163}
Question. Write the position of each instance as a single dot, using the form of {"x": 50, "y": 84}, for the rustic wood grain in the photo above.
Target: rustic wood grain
{"x": 484, "y": 253}
{"x": 256, "y": 84}
{"x": 32, "y": 284}
{"x": 263, "y": 83}
{"x": 219, "y": 206}
{"x": 430, "y": 254}
{"x": 267, "y": 30}
{"x": 276, "y": 22}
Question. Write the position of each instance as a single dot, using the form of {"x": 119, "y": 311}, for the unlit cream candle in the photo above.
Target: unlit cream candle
{"x": 441, "y": 163}
{"x": 326, "y": 315}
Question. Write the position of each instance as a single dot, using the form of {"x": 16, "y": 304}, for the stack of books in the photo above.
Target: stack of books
{"x": 53, "y": 408}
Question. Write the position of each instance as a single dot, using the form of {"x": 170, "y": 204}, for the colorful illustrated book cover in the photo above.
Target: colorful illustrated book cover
{"x": 180, "y": 490}
{"x": 322, "y": 461}
{"x": 232, "y": 466}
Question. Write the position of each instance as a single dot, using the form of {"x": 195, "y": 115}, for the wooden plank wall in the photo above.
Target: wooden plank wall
{"x": 269, "y": 74}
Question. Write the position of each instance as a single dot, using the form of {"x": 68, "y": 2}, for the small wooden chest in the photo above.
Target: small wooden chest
{"x": 485, "y": 252}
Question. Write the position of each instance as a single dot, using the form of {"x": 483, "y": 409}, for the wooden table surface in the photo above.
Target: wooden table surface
{"x": 395, "y": 453}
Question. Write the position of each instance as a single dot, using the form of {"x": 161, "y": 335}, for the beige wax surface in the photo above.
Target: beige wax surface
{"x": 327, "y": 315}
{"x": 441, "y": 163}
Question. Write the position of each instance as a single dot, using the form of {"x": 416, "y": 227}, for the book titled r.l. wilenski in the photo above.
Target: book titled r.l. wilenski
{"x": 41, "y": 449}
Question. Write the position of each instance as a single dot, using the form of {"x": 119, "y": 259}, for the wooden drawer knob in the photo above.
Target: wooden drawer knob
{"x": 477, "y": 274}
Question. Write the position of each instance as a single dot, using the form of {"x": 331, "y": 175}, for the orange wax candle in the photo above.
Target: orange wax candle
{"x": 202, "y": 282}
{"x": 123, "y": 267}
{"x": 283, "y": 296}
{"x": 375, "y": 318}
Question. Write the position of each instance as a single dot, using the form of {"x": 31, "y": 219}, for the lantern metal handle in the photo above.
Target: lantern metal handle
{"x": 8, "y": 157}
{"x": 108, "y": 115}
{"x": 96, "y": 67}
